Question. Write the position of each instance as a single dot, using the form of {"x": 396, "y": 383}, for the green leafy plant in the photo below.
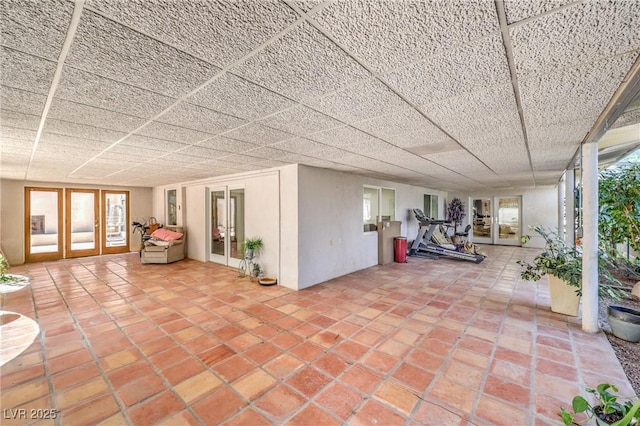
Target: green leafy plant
{"x": 609, "y": 409}
{"x": 9, "y": 279}
{"x": 619, "y": 200}
{"x": 253, "y": 243}
{"x": 565, "y": 262}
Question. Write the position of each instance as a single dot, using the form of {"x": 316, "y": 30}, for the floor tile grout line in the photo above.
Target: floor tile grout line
{"x": 228, "y": 384}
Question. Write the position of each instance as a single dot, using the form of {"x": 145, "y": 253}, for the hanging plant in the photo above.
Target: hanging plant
{"x": 456, "y": 212}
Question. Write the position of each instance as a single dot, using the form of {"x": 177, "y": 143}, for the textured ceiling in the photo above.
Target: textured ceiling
{"x": 446, "y": 94}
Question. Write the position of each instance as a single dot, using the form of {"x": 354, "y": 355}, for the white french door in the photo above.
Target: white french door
{"x": 496, "y": 220}
{"x": 227, "y": 227}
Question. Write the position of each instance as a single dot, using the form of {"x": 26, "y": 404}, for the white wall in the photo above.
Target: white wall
{"x": 262, "y": 214}
{"x": 331, "y": 241}
{"x": 539, "y": 207}
{"x": 289, "y": 228}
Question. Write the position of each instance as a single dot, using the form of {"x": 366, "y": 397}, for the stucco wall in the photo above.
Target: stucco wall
{"x": 331, "y": 241}
{"x": 262, "y": 214}
{"x": 12, "y": 212}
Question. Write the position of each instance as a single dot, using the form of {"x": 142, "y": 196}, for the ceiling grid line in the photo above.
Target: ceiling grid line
{"x": 73, "y": 26}
{"x": 506, "y": 38}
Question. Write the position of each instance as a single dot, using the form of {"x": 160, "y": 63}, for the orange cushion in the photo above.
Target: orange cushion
{"x": 166, "y": 235}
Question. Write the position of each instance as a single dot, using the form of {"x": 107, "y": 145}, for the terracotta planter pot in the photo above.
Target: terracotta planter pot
{"x": 564, "y": 299}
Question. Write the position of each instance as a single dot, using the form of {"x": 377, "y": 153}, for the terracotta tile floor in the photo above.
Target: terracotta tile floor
{"x": 428, "y": 342}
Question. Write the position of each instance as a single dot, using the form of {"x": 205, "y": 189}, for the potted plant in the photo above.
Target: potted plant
{"x": 455, "y": 213}
{"x": 609, "y": 409}
{"x": 10, "y": 282}
{"x": 251, "y": 246}
{"x": 563, "y": 265}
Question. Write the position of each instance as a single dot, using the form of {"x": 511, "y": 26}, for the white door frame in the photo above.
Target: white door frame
{"x": 493, "y": 222}
{"x": 225, "y": 258}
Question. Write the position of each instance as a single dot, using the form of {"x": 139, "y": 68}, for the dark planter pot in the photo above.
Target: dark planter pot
{"x": 625, "y": 323}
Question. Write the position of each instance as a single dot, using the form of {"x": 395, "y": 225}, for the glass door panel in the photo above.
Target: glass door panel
{"x": 43, "y": 238}
{"x": 82, "y": 222}
{"x": 236, "y": 225}
{"x": 115, "y": 220}
{"x": 227, "y": 225}
{"x": 172, "y": 207}
{"x": 218, "y": 228}
{"x": 508, "y": 217}
{"x": 481, "y": 210}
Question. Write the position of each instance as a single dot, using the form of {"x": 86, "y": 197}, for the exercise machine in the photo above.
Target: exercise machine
{"x": 423, "y": 245}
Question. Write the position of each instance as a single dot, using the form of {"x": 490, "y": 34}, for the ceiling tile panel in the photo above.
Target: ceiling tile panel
{"x": 235, "y": 96}
{"x": 518, "y": 10}
{"x": 301, "y": 121}
{"x": 82, "y": 131}
{"x": 401, "y": 121}
{"x": 556, "y": 159}
{"x": 26, "y": 137}
{"x": 15, "y": 146}
{"x": 360, "y": 102}
{"x": 258, "y": 134}
{"x": 307, "y": 5}
{"x": 35, "y": 27}
{"x": 365, "y": 148}
{"x": 303, "y": 64}
{"x": 485, "y": 110}
{"x": 175, "y": 159}
{"x": 387, "y": 34}
{"x": 19, "y": 121}
{"x": 26, "y": 72}
{"x": 115, "y": 51}
{"x": 229, "y": 145}
{"x": 202, "y": 152}
{"x": 581, "y": 33}
{"x": 465, "y": 69}
{"x": 58, "y": 156}
{"x": 330, "y": 153}
{"x": 219, "y": 32}
{"x": 267, "y": 153}
{"x": 139, "y": 152}
{"x": 90, "y": 89}
{"x": 21, "y": 101}
{"x": 546, "y": 138}
{"x": 574, "y": 93}
{"x": 428, "y": 136}
{"x": 199, "y": 118}
{"x": 138, "y": 141}
{"x": 342, "y": 136}
{"x": 238, "y": 160}
{"x": 461, "y": 161}
{"x": 158, "y": 130}
{"x": 78, "y": 143}
{"x": 300, "y": 145}
{"x": 92, "y": 116}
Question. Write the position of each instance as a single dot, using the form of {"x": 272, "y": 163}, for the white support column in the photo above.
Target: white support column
{"x": 590, "y": 237}
{"x": 570, "y": 207}
{"x": 561, "y": 212}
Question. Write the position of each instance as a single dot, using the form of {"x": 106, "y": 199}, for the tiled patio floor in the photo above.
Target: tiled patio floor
{"x": 428, "y": 342}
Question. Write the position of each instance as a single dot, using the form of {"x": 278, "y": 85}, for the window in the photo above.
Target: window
{"x": 431, "y": 206}
{"x": 377, "y": 204}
